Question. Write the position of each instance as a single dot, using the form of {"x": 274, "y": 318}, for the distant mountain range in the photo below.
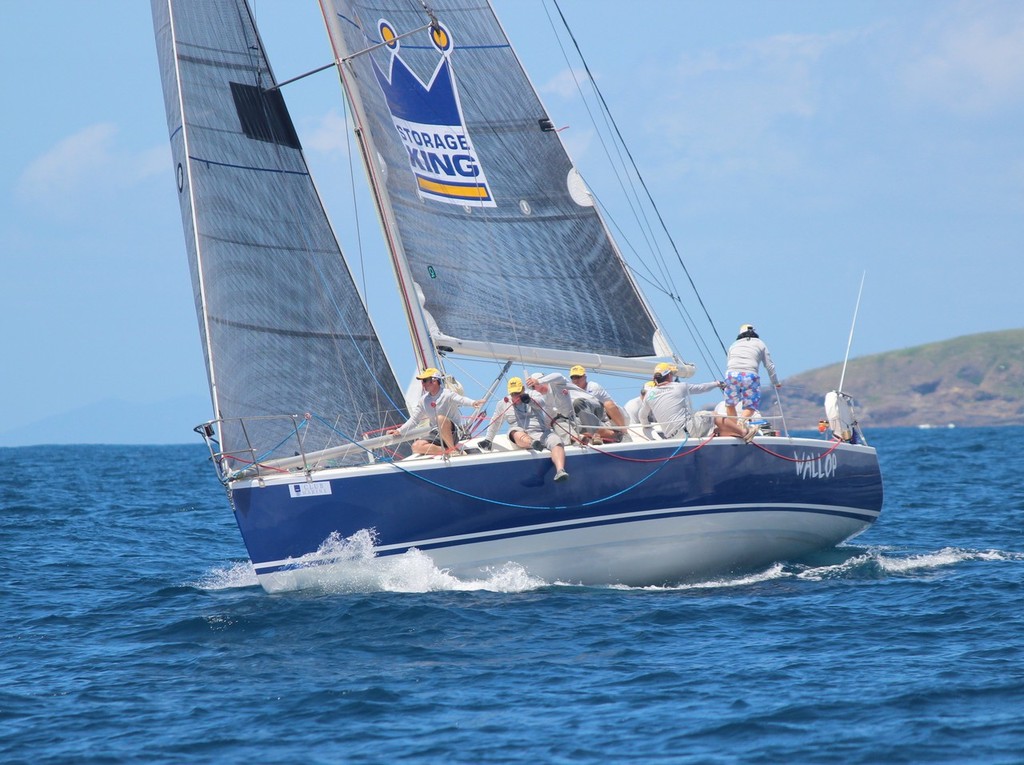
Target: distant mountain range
{"x": 975, "y": 380}
{"x": 117, "y": 422}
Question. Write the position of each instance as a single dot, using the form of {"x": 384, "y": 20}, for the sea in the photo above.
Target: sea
{"x": 135, "y": 632}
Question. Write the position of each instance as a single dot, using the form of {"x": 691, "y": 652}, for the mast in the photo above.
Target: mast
{"x": 419, "y": 332}
{"x": 183, "y": 180}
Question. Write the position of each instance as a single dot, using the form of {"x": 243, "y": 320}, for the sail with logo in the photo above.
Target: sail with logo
{"x": 496, "y": 245}
{"x": 488, "y": 219}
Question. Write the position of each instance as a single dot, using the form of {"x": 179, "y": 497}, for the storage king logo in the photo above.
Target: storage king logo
{"x": 430, "y": 124}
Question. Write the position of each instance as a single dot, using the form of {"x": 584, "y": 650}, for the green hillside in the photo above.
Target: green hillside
{"x": 967, "y": 381}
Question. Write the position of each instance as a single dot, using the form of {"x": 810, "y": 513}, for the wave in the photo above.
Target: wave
{"x": 233, "y": 576}
{"x": 881, "y": 561}
{"x": 356, "y": 569}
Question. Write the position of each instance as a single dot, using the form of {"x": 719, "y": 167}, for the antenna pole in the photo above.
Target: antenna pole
{"x": 853, "y": 324}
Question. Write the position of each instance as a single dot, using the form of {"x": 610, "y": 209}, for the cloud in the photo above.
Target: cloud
{"x": 724, "y": 107}
{"x": 329, "y": 134}
{"x": 970, "y": 59}
{"x": 85, "y": 165}
{"x": 566, "y": 83}
{"x": 759, "y": 82}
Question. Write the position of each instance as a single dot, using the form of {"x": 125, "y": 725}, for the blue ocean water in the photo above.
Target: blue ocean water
{"x": 135, "y": 632}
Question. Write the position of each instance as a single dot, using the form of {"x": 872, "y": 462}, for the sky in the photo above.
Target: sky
{"x": 792, "y": 148}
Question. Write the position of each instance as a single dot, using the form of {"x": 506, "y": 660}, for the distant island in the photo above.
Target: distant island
{"x": 975, "y": 380}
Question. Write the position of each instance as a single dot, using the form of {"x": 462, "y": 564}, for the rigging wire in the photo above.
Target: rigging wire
{"x": 674, "y": 297}
{"x": 355, "y": 203}
{"x": 639, "y": 176}
{"x": 645, "y": 229}
{"x": 353, "y": 340}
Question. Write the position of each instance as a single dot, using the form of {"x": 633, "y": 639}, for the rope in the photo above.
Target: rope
{"x": 636, "y": 169}
{"x": 794, "y": 459}
{"x": 490, "y": 501}
{"x": 697, "y": 448}
{"x": 257, "y": 461}
{"x": 665, "y": 461}
{"x": 254, "y": 464}
{"x": 541, "y": 507}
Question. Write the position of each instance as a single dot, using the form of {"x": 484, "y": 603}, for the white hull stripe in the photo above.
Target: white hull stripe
{"x": 859, "y": 514}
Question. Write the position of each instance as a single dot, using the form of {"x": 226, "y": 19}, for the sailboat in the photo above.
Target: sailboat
{"x": 494, "y": 240}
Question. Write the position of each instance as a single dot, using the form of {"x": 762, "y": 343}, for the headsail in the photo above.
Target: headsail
{"x": 497, "y": 242}
{"x": 283, "y": 327}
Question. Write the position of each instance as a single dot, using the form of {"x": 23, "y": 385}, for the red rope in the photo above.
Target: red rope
{"x": 255, "y": 464}
{"x": 794, "y": 459}
{"x": 698, "y": 447}
{"x": 705, "y": 443}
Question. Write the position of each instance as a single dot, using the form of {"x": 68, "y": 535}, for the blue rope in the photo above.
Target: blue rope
{"x": 546, "y": 507}
{"x": 513, "y": 504}
{"x": 337, "y": 432}
{"x": 272, "y": 449}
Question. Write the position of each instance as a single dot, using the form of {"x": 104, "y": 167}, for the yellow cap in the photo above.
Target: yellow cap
{"x": 515, "y": 385}
{"x": 428, "y": 373}
{"x": 650, "y": 384}
{"x": 746, "y": 328}
{"x": 577, "y": 371}
{"x": 664, "y": 367}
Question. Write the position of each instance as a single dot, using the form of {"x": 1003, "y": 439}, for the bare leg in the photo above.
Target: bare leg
{"x": 421, "y": 446}
{"x": 522, "y": 439}
{"x": 615, "y": 414}
{"x": 729, "y": 426}
{"x": 558, "y": 457}
{"x": 446, "y": 430}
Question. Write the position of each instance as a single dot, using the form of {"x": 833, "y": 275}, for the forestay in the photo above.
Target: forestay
{"x": 283, "y": 327}
{"x": 498, "y": 247}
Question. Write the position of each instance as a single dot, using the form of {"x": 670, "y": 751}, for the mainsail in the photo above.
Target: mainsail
{"x": 497, "y": 245}
{"x": 283, "y": 327}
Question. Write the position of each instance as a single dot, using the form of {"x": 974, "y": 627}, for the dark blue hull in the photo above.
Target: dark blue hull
{"x": 772, "y": 498}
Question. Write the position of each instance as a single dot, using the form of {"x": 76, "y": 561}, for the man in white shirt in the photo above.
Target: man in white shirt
{"x": 668, "y": 404}
{"x": 528, "y": 427}
{"x": 573, "y": 413}
{"x": 632, "y": 406}
{"x": 742, "y": 382}
{"x": 440, "y": 406}
{"x": 578, "y": 376}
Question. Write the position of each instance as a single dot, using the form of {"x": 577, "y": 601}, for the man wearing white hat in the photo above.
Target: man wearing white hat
{"x": 742, "y": 382}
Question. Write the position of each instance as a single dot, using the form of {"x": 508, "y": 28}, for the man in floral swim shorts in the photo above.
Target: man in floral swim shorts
{"x": 742, "y": 382}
